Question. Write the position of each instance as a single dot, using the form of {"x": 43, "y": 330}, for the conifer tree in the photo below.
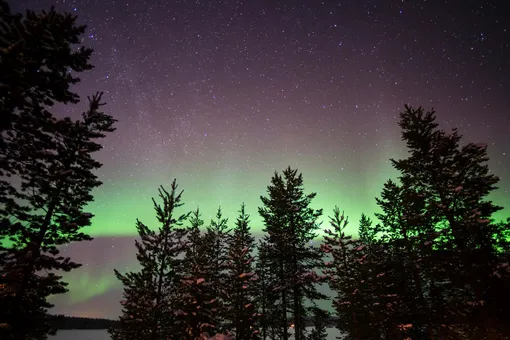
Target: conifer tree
{"x": 136, "y": 306}
{"x": 291, "y": 224}
{"x": 240, "y": 284}
{"x": 358, "y": 275}
{"x": 454, "y": 182}
{"x": 374, "y": 271}
{"x": 410, "y": 234}
{"x": 38, "y": 51}
{"x": 341, "y": 273}
{"x": 149, "y": 296}
{"x": 216, "y": 235}
{"x": 45, "y": 212}
{"x": 197, "y": 307}
{"x": 367, "y": 234}
{"x": 264, "y": 294}
{"x": 46, "y": 167}
{"x": 320, "y": 317}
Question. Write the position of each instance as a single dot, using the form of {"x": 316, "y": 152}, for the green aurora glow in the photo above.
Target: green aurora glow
{"x": 118, "y": 206}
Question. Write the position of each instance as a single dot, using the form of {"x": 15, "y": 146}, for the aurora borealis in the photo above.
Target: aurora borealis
{"x": 220, "y": 94}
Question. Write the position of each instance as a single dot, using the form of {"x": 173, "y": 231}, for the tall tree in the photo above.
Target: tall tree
{"x": 291, "y": 224}
{"x": 149, "y": 295}
{"x": 197, "y": 307}
{"x": 378, "y": 295}
{"x": 45, "y": 212}
{"x": 46, "y": 167}
{"x": 340, "y": 270}
{"x": 358, "y": 274}
{"x": 455, "y": 181}
{"x": 408, "y": 234}
{"x": 240, "y": 284}
{"x": 215, "y": 237}
{"x": 37, "y": 53}
{"x": 436, "y": 225}
{"x": 136, "y": 306}
{"x": 264, "y": 295}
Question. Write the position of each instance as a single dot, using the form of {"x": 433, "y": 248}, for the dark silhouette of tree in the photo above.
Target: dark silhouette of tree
{"x": 149, "y": 294}
{"x": 291, "y": 224}
{"x": 437, "y": 226}
{"x": 37, "y": 53}
{"x": 46, "y": 164}
{"x": 342, "y": 274}
{"x": 408, "y": 234}
{"x": 45, "y": 212}
{"x": 136, "y": 306}
{"x": 320, "y": 318}
{"x": 376, "y": 275}
{"x": 197, "y": 305}
{"x": 367, "y": 234}
{"x": 266, "y": 322}
{"x": 216, "y": 236}
{"x": 241, "y": 284}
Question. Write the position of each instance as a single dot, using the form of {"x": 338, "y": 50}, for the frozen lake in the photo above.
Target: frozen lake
{"x": 103, "y": 334}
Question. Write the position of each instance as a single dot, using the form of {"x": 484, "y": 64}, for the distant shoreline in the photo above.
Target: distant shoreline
{"x": 62, "y": 322}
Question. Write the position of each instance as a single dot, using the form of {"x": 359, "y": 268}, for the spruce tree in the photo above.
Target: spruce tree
{"x": 136, "y": 306}
{"x": 264, "y": 295}
{"x": 320, "y": 318}
{"x": 44, "y": 212}
{"x": 374, "y": 271}
{"x": 454, "y": 182}
{"x": 358, "y": 274}
{"x": 197, "y": 305}
{"x": 150, "y": 298}
{"x": 216, "y": 235}
{"x": 241, "y": 280}
{"x": 340, "y": 270}
{"x": 409, "y": 232}
{"x": 367, "y": 234}
{"x": 291, "y": 224}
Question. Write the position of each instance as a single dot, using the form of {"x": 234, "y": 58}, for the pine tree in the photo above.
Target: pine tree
{"x": 374, "y": 280}
{"x": 240, "y": 284}
{"x": 320, "y": 317}
{"x": 273, "y": 295}
{"x": 136, "y": 306}
{"x": 367, "y": 234}
{"x": 216, "y": 235}
{"x": 408, "y": 234}
{"x": 45, "y": 163}
{"x": 454, "y": 182}
{"x": 38, "y": 51}
{"x": 358, "y": 273}
{"x": 149, "y": 296}
{"x": 291, "y": 224}
{"x": 264, "y": 295}
{"x": 339, "y": 249}
{"x": 197, "y": 307}
{"x": 46, "y": 211}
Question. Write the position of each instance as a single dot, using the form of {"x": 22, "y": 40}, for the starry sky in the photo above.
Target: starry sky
{"x": 220, "y": 94}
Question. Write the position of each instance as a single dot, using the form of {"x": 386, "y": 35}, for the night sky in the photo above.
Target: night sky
{"x": 220, "y": 94}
